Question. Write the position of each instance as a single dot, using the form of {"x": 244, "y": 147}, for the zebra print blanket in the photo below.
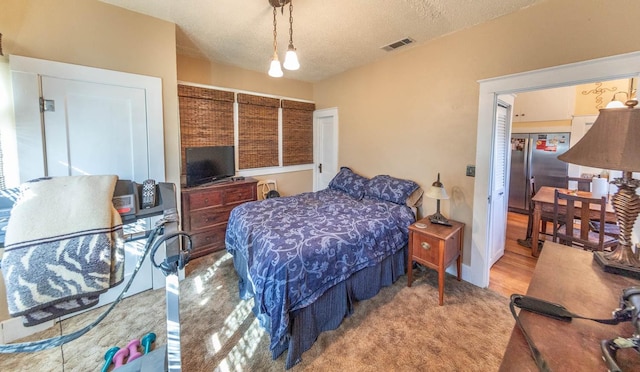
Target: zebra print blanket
{"x": 63, "y": 247}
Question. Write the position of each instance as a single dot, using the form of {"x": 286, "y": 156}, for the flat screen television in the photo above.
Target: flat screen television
{"x": 209, "y": 164}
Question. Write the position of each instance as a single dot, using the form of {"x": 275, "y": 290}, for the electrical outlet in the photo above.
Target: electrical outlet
{"x": 471, "y": 170}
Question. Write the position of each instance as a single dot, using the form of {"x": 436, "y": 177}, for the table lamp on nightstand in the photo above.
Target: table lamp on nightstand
{"x": 613, "y": 142}
{"x": 437, "y": 191}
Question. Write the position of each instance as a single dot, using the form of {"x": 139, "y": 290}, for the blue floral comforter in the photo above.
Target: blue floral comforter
{"x": 297, "y": 247}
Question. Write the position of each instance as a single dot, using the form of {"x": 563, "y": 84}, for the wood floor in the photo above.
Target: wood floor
{"x": 512, "y": 272}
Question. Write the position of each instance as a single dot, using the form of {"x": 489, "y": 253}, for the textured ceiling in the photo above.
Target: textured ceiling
{"x": 331, "y": 36}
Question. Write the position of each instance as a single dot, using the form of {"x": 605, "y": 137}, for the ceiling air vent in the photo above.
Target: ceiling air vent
{"x": 398, "y": 44}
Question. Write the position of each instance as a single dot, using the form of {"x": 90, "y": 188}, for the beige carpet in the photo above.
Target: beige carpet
{"x": 401, "y": 329}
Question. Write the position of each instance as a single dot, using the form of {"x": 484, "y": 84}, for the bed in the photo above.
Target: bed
{"x": 306, "y": 259}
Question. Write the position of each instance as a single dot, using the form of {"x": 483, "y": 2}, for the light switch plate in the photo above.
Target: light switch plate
{"x": 471, "y": 170}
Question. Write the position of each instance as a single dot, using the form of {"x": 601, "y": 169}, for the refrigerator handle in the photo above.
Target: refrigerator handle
{"x": 527, "y": 168}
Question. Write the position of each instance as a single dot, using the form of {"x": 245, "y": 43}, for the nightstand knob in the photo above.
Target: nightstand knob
{"x": 425, "y": 245}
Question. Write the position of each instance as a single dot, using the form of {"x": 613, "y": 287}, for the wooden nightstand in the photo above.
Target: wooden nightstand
{"x": 435, "y": 246}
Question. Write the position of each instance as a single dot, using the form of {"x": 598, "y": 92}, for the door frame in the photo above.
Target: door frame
{"x": 28, "y": 116}
{"x": 608, "y": 68}
{"x": 497, "y": 250}
{"x": 32, "y": 68}
{"x": 317, "y": 148}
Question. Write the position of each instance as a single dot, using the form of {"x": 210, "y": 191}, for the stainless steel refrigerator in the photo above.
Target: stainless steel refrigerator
{"x": 535, "y": 154}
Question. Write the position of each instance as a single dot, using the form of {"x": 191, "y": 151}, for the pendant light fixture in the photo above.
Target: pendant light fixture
{"x": 291, "y": 58}
{"x": 275, "y": 70}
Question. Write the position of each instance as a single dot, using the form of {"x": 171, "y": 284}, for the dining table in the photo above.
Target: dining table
{"x": 544, "y": 201}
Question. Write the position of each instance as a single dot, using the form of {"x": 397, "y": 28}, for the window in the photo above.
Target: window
{"x": 206, "y": 118}
{"x": 270, "y": 132}
{"x": 257, "y": 131}
{"x": 297, "y": 132}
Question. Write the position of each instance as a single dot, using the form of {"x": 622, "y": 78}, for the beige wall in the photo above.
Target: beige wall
{"x": 195, "y": 70}
{"x": 415, "y": 113}
{"x": 95, "y": 34}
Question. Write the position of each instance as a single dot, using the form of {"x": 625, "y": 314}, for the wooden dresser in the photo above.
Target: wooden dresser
{"x": 205, "y": 211}
{"x": 570, "y": 277}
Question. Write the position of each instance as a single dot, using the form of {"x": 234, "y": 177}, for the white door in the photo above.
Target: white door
{"x": 325, "y": 147}
{"x": 96, "y": 129}
{"x": 498, "y": 202}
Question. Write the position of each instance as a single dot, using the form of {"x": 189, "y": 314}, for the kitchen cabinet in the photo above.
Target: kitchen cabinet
{"x": 545, "y": 105}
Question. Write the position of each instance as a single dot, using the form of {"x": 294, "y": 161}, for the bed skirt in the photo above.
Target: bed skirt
{"x": 331, "y": 307}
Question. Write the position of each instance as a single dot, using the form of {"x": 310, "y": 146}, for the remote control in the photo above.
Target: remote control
{"x": 148, "y": 194}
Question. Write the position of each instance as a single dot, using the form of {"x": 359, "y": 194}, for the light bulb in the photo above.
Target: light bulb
{"x": 275, "y": 70}
{"x": 615, "y": 104}
{"x": 291, "y": 59}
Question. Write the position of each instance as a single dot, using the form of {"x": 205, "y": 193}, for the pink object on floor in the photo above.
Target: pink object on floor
{"x": 134, "y": 354}
{"x": 119, "y": 357}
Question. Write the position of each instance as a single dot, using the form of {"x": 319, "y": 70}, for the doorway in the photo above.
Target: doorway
{"x": 325, "y": 147}
{"x": 609, "y": 68}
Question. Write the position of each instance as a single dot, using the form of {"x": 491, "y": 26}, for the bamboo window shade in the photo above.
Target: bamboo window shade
{"x": 206, "y": 118}
{"x": 257, "y": 131}
{"x": 297, "y": 132}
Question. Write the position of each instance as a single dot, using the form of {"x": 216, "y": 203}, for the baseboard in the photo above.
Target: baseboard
{"x": 13, "y": 329}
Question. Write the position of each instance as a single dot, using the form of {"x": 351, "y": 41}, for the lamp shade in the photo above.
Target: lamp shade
{"x": 613, "y": 142}
{"x": 435, "y": 192}
{"x": 291, "y": 60}
{"x": 275, "y": 70}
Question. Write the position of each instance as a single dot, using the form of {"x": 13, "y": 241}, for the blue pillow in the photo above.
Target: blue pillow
{"x": 390, "y": 189}
{"x": 349, "y": 182}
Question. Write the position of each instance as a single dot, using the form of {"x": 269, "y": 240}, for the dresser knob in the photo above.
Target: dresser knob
{"x": 425, "y": 245}
{"x": 206, "y": 201}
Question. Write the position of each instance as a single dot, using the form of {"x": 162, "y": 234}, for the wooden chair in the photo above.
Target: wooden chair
{"x": 584, "y": 184}
{"x": 610, "y": 228}
{"x": 267, "y": 186}
{"x": 544, "y": 217}
{"x": 572, "y": 228}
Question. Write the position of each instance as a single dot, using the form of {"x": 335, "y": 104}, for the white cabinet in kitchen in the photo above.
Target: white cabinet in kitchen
{"x": 545, "y": 105}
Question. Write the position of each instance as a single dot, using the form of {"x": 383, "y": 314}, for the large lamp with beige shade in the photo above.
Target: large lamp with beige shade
{"x": 613, "y": 143}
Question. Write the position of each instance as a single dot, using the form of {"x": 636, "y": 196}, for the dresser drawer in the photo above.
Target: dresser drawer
{"x": 204, "y": 218}
{"x": 426, "y": 248}
{"x": 240, "y": 194}
{"x": 208, "y": 241}
{"x": 204, "y": 199}
{"x": 451, "y": 251}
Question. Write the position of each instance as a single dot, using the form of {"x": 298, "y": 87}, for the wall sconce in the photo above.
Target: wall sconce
{"x": 631, "y": 97}
{"x": 438, "y": 192}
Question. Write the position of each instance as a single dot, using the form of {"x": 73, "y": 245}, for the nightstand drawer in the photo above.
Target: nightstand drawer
{"x": 426, "y": 248}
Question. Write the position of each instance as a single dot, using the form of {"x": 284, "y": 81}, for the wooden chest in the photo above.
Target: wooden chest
{"x": 206, "y": 209}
